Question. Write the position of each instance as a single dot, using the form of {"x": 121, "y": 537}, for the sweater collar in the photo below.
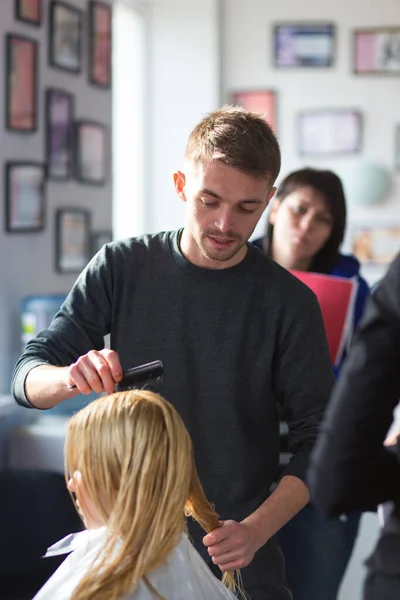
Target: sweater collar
{"x": 202, "y": 274}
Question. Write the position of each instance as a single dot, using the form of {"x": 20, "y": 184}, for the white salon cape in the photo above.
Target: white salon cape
{"x": 184, "y": 576}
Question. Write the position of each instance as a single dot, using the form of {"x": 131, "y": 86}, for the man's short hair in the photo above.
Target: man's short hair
{"x": 239, "y": 138}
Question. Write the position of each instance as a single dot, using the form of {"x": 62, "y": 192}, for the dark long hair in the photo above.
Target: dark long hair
{"x": 330, "y": 187}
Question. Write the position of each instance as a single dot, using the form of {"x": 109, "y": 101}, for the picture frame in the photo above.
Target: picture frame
{"x": 258, "y": 101}
{"x": 21, "y": 83}
{"x": 397, "y": 147}
{"x": 24, "y": 196}
{"x": 100, "y": 44}
{"x": 91, "y": 152}
{"x": 329, "y": 131}
{"x": 376, "y": 51}
{"x": 28, "y": 11}
{"x": 72, "y": 239}
{"x": 59, "y": 115}
{"x": 65, "y": 37}
{"x": 99, "y": 238}
{"x": 304, "y": 44}
{"x": 375, "y": 245}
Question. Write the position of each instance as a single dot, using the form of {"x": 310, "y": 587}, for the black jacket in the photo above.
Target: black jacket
{"x": 350, "y": 468}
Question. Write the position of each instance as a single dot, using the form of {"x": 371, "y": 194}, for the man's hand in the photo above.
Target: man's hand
{"x": 97, "y": 371}
{"x": 231, "y": 546}
{"x": 391, "y": 439}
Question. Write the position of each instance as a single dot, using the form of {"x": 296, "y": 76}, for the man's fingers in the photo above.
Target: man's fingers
{"x": 230, "y": 546}
{"x": 105, "y": 376}
{"x": 217, "y": 535}
{"x": 78, "y": 381}
{"x": 112, "y": 359}
{"x": 97, "y": 372}
{"x": 222, "y": 548}
{"x": 233, "y": 565}
{"x": 86, "y": 377}
{"x": 225, "y": 557}
{"x": 235, "y": 559}
{"x": 94, "y": 372}
{"x": 229, "y": 542}
{"x": 391, "y": 440}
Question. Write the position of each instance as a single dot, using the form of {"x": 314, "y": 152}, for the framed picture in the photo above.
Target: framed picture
{"x": 21, "y": 83}
{"x": 329, "y": 131}
{"x": 24, "y": 196}
{"x": 29, "y": 11}
{"x": 91, "y": 151}
{"x": 259, "y": 101}
{"x": 397, "y": 148}
{"x": 98, "y": 239}
{"x": 304, "y": 44}
{"x": 100, "y": 33}
{"x": 65, "y": 42}
{"x": 377, "y": 51}
{"x": 59, "y": 132}
{"x": 376, "y": 245}
{"x": 72, "y": 239}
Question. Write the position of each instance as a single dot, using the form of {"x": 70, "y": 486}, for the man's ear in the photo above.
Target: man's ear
{"x": 273, "y": 211}
{"x": 180, "y": 182}
{"x": 271, "y": 195}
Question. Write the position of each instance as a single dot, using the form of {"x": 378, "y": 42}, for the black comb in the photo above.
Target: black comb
{"x": 139, "y": 375}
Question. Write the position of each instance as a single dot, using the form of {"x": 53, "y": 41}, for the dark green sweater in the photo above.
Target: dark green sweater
{"x": 234, "y": 342}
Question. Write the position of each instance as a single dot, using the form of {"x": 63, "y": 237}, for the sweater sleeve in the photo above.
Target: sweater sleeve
{"x": 80, "y": 325}
{"x": 303, "y": 378}
{"x": 350, "y": 468}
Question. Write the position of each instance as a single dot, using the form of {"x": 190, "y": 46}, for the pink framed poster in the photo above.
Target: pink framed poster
{"x": 100, "y": 31}
{"x": 21, "y": 93}
{"x": 259, "y": 101}
{"x": 29, "y": 11}
{"x": 377, "y": 51}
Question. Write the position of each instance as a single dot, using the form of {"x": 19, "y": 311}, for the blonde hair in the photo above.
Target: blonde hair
{"x": 240, "y": 139}
{"x": 136, "y": 459}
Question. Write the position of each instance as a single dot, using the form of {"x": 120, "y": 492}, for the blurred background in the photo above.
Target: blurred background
{"x": 98, "y": 99}
{"x": 107, "y": 109}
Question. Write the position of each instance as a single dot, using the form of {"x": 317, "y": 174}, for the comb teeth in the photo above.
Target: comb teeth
{"x": 140, "y": 374}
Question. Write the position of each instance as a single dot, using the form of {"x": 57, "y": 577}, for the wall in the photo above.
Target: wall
{"x": 247, "y": 64}
{"x": 129, "y": 114}
{"x": 184, "y": 84}
{"x": 27, "y": 260}
{"x": 201, "y": 52}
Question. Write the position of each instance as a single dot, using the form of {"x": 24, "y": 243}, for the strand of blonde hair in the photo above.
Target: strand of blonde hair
{"x": 199, "y": 508}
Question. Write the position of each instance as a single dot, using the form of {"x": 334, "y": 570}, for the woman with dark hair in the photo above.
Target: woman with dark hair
{"x": 309, "y": 193}
{"x": 305, "y": 230}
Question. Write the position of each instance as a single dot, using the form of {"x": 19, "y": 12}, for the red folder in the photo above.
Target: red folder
{"x": 336, "y": 297}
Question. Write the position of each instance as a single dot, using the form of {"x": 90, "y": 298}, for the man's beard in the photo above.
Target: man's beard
{"x": 220, "y": 254}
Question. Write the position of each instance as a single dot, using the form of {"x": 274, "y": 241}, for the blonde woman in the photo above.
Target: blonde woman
{"x": 130, "y": 469}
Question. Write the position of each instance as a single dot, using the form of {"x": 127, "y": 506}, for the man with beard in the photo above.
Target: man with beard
{"x": 237, "y": 334}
